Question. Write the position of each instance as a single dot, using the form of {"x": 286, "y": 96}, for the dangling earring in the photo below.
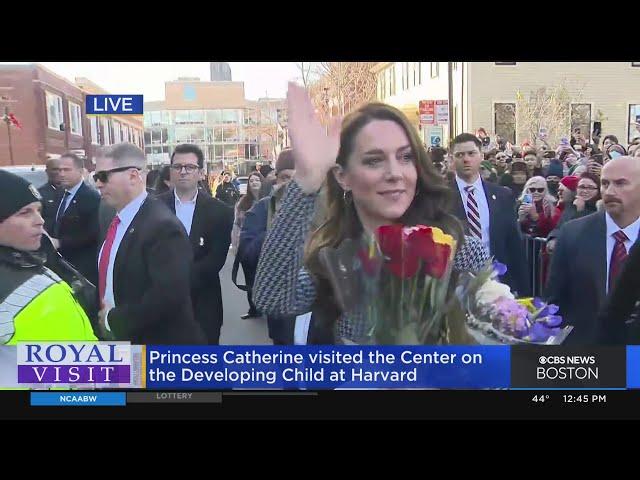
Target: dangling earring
{"x": 347, "y": 199}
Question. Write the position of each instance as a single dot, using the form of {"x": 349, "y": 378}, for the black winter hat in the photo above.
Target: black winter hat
{"x": 15, "y": 193}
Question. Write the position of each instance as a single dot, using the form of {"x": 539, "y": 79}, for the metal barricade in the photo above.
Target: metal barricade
{"x": 535, "y": 252}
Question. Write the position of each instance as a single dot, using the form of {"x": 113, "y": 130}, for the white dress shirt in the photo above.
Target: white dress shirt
{"x": 631, "y": 232}
{"x": 483, "y": 205}
{"x": 72, "y": 193}
{"x": 126, "y": 215}
{"x": 185, "y": 210}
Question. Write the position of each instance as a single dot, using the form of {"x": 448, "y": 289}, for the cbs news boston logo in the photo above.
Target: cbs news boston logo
{"x": 564, "y": 367}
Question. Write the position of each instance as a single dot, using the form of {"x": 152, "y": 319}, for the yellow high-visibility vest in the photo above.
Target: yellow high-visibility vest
{"x": 43, "y": 309}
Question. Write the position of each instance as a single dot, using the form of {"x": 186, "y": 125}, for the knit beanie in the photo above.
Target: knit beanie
{"x": 15, "y": 193}
{"x": 570, "y": 182}
{"x": 555, "y": 169}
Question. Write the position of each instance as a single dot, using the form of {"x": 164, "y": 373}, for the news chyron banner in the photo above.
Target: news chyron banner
{"x": 119, "y": 365}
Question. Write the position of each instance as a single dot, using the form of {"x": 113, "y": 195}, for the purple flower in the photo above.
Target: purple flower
{"x": 510, "y": 317}
{"x": 545, "y": 310}
{"x": 499, "y": 268}
{"x": 539, "y": 333}
{"x": 552, "y": 321}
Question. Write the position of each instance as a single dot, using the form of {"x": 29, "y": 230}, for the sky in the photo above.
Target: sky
{"x": 147, "y": 78}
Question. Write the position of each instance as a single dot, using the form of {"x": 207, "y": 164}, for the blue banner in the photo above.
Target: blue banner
{"x": 114, "y": 105}
{"x": 327, "y": 367}
{"x": 78, "y": 399}
{"x": 633, "y": 366}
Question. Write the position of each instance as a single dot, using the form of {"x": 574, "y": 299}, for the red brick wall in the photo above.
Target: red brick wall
{"x": 28, "y": 141}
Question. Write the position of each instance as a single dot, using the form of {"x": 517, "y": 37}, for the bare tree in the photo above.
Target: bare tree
{"x": 308, "y": 72}
{"x": 345, "y": 85}
{"x": 266, "y": 126}
{"x": 547, "y": 108}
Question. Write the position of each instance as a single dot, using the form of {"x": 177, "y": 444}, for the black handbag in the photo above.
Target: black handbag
{"x": 234, "y": 275}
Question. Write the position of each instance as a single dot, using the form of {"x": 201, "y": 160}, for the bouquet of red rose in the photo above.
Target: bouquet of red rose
{"x": 392, "y": 286}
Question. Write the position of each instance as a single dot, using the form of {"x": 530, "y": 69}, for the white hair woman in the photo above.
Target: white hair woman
{"x": 536, "y": 208}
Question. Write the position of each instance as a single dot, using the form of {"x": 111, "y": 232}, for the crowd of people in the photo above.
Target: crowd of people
{"x": 135, "y": 255}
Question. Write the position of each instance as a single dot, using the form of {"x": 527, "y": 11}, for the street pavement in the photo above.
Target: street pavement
{"x": 236, "y": 331}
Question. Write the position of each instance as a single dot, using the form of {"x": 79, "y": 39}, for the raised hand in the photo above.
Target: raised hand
{"x": 314, "y": 148}
{"x": 579, "y": 203}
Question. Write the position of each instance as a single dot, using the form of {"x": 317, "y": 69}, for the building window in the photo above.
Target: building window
{"x": 419, "y": 73}
{"x": 196, "y": 116}
{"x": 75, "y": 118}
{"x": 635, "y": 64}
{"x": 581, "y": 119}
{"x": 106, "y": 131}
{"x": 505, "y": 121}
{"x": 158, "y": 136}
{"x": 94, "y": 130}
{"x": 155, "y": 136}
{"x": 392, "y": 79}
{"x": 505, "y": 63}
{"x": 230, "y": 116}
{"x": 405, "y": 77}
{"x": 214, "y": 117}
{"x": 435, "y": 69}
{"x": 55, "y": 117}
{"x": 411, "y": 75}
{"x": 182, "y": 117}
{"x": 634, "y": 122}
{"x": 155, "y": 118}
{"x": 117, "y": 138}
{"x": 231, "y": 152}
{"x": 381, "y": 85}
{"x": 230, "y": 134}
{"x": 189, "y": 135}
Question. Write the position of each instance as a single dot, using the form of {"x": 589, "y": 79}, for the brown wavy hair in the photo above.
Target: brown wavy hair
{"x": 247, "y": 200}
{"x": 431, "y": 205}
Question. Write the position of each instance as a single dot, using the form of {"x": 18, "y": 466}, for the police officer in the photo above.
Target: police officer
{"x": 35, "y": 304}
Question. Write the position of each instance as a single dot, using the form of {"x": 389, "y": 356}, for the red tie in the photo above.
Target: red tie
{"x": 618, "y": 257}
{"x": 103, "y": 265}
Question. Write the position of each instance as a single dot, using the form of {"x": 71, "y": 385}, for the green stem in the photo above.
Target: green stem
{"x": 423, "y": 301}
{"x": 401, "y": 303}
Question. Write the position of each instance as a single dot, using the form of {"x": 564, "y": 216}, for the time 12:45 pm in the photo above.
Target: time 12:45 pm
{"x": 584, "y": 398}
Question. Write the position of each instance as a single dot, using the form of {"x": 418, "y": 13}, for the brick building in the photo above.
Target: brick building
{"x": 51, "y": 110}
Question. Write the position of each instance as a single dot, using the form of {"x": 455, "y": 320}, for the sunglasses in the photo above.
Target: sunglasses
{"x": 534, "y": 190}
{"x": 103, "y": 175}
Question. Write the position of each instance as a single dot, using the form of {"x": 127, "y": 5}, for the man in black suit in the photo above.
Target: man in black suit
{"x": 144, "y": 264}
{"x": 590, "y": 253}
{"x": 488, "y": 211}
{"x": 75, "y": 228}
{"x": 208, "y": 223}
{"x": 50, "y": 192}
